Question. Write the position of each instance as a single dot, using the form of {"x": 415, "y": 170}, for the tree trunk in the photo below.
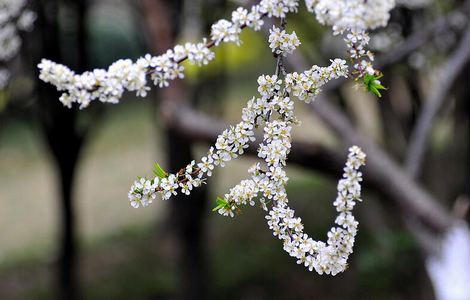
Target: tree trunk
{"x": 188, "y": 223}
{"x": 63, "y": 139}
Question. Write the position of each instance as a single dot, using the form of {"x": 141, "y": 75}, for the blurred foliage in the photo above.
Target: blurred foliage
{"x": 3, "y": 99}
{"x": 230, "y": 57}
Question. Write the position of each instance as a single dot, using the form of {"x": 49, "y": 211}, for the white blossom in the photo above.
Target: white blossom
{"x": 281, "y": 42}
{"x": 354, "y": 18}
{"x": 240, "y": 17}
{"x": 225, "y": 31}
{"x": 268, "y": 85}
{"x": 351, "y": 14}
{"x": 307, "y": 85}
{"x": 254, "y": 18}
{"x": 356, "y": 42}
{"x": 278, "y": 8}
{"x": 198, "y": 54}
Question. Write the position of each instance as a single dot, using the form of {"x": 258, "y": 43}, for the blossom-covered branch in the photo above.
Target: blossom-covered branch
{"x": 126, "y": 75}
{"x": 274, "y": 100}
{"x": 273, "y": 109}
{"x": 233, "y": 141}
{"x": 330, "y": 257}
{"x": 109, "y": 85}
{"x": 353, "y": 18}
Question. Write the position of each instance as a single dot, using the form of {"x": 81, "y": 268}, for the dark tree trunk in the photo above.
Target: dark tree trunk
{"x": 65, "y": 145}
{"x": 67, "y": 273}
{"x": 186, "y": 215}
{"x": 462, "y": 133}
{"x": 63, "y": 139}
{"x": 187, "y": 218}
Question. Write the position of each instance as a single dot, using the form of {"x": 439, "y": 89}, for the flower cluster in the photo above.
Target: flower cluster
{"x": 351, "y": 14}
{"x": 241, "y": 194}
{"x": 361, "y": 58}
{"x": 225, "y": 31}
{"x": 228, "y": 146}
{"x": 123, "y": 75}
{"x": 353, "y": 18}
{"x": 281, "y": 42}
{"x": 126, "y": 75}
{"x": 306, "y": 85}
{"x": 356, "y": 42}
{"x": 14, "y": 17}
{"x": 278, "y": 8}
{"x": 330, "y": 257}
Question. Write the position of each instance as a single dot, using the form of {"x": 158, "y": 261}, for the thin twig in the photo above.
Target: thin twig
{"x": 448, "y": 74}
{"x": 280, "y": 69}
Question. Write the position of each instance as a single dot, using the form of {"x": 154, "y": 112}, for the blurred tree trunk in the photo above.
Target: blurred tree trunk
{"x": 188, "y": 220}
{"x": 63, "y": 138}
{"x": 186, "y": 215}
{"x": 462, "y": 133}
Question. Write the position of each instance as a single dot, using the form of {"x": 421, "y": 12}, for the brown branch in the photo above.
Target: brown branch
{"x": 448, "y": 74}
{"x": 200, "y": 127}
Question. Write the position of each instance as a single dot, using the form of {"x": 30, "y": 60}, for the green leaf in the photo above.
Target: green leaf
{"x": 158, "y": 171}
{"x": 373, "y": 84}
{"x": 221, "y": 203}
{"x": 375, "y": 91}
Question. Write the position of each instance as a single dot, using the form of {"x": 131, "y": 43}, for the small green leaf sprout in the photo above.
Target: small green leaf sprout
{"x": 158, "y": 171}
{"x": 373, "y": 84}
{"x": 221, "y": 203}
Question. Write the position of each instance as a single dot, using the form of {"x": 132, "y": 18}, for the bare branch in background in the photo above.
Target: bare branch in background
{"x": 412, "y": 43}
{"x": 419, "y": 38}
{"x": 200, "y": 127}
{"x": 391, "y": 179}
{"x": 448, "y": 74}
